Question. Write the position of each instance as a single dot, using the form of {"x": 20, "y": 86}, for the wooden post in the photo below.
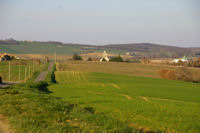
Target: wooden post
{"x": 55, "y": 58}
{"x": 9, "y": 72}
{"x": 33, "y": 66}
{"x": 25, "y": 74}
{"x": 19, "y": 74}
{"x": 29, "y": 71}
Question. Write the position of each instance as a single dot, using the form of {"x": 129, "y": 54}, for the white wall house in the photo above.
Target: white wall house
{"x": 184, "y": 59}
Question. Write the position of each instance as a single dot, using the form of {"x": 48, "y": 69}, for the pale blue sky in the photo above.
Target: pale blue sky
{"x": 170, "y": 22}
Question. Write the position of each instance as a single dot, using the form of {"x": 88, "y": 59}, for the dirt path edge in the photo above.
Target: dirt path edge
{"x": 4, "y": 126}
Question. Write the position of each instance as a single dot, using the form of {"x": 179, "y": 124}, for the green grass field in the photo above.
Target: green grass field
{"x": 17, "y": 68}
{"x": 42, "y": 48}
{"x": 102, "y": 101}
{"x": 144, "y": 104}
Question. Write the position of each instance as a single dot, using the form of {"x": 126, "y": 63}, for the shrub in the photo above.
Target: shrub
{"x": 196, "y": 62}
{"x": 117, "y": 59}
{"x": 171, "y": 75}
{"x": 136, "y": 61}
{"x": 162, "y": 73}
{"x": 89, "y": 59}
{"x": 145, "y": 60}
{"x": 41, "y": 86}
{"x": 53, "y": 77}
{"x": 184, "y": 74}
{"x": 167, "y": 74}
{"x": 127, "y": 60}
{"x": 77, "y": 57}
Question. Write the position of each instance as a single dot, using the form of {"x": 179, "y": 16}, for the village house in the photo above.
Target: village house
{"x": 6, "y": 56}
{"x": 184, "y": 59}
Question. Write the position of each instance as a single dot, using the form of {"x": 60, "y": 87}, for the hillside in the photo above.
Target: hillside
{"x": 135, "y": 49}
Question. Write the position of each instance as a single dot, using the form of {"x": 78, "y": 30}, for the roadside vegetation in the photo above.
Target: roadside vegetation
{"x": 0, "y": 79}
{"x": 20, "y": 69}
{"x": 50, "y": 78}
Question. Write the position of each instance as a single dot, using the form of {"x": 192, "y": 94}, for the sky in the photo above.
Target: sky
{"x": 99, "y": 22}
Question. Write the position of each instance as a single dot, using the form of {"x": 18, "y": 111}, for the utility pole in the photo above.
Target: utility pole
{"x": 55, "y": 57}
{"x": 19, "y": 74}
{"x": 9, "y": 72}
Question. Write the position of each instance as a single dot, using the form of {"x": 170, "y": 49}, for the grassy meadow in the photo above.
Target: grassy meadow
{"x": 93, "y": 97}
{"x": 142, "y": 104}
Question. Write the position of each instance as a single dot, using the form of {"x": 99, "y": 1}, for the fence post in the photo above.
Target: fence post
{"x": 9, "y": 72}
{"x": 25, "y": 74}
{"x": 19, "y": 74}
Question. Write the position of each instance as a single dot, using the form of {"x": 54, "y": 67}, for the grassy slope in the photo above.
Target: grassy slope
{"x": 100, "y": 102}
{"x": 41, "y": 48}
{"x": 142, "y": 103}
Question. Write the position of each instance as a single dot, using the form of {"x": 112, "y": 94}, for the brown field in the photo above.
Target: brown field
{"x": 136, "y": 69}
{"x": 42, "y": 56}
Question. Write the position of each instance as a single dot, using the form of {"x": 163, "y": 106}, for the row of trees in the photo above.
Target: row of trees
{"x": 113, "y": 59}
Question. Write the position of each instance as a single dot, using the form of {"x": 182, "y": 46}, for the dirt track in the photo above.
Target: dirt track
{"x": 4, "y": 127}
{"x": 43, "y": 74}
{"x": 5, "y": 85}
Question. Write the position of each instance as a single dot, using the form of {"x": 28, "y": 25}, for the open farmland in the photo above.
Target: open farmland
{"x": 118, "y": 102}
{"x": 136, "y": 69}
{"x": 17, "y": 70}
{"x": 50, "y": 48}
{"x": 85, "y": 100}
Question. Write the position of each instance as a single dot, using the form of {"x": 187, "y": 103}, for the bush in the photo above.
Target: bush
{"x": 167, "y": 74}
{"x": 77, "y": 57}
{"x": 53, "y": 77}
{"x": 196, "y": 62}
{"x": 89, "y": 59}
{"x": 41, "y": 86}
{"x": 0, "y": 79}
{"x": 183, "y": 74}
{"x": 117, "y": 59}
{"x": 136, "y": 61}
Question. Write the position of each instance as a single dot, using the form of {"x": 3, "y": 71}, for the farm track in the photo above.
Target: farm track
{"x": 3, "y": 85}
{"x": 43, "y": 74}
{"x": 4, "y": 127}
